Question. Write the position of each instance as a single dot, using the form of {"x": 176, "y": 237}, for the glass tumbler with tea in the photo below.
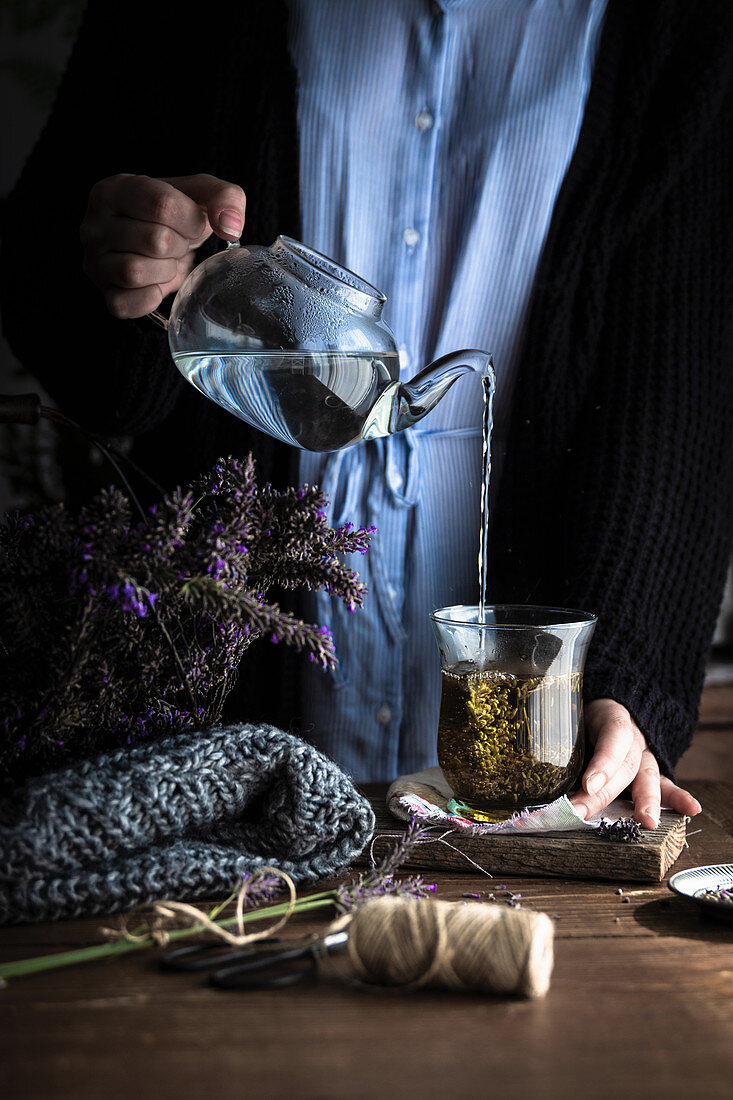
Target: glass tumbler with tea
{"x": 510, "y": 732}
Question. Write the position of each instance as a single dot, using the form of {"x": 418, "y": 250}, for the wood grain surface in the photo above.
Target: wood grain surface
{"x": 640, "y": 1008}
{"x": 577, "y": 854}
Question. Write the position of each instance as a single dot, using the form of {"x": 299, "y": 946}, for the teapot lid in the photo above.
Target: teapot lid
{"x": 286, "y": 297}
{"x": 317, "y": 270}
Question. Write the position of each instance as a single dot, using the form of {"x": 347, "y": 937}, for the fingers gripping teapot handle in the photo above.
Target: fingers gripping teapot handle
{"x": 160, "y": 318}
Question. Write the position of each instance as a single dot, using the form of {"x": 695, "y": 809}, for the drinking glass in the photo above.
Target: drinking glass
{"x": 510, "y": 732}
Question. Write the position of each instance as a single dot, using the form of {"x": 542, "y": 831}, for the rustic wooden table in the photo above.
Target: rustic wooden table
{"x": 640, "y": 1006}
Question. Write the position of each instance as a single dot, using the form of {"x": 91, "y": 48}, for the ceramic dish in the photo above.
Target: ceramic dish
{"x": 694, "y": 883}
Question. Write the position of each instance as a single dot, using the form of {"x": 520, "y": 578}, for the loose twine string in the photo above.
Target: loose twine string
{"x": 164, "y": 912}
{"x": 428, "y": 839}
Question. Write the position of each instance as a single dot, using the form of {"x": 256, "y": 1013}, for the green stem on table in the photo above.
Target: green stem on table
{"x": 36, "y": 965}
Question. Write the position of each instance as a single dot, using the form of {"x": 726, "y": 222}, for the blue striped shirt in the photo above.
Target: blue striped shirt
{"x": 433, "y": 140}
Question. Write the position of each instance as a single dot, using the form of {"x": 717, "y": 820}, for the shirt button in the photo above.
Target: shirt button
{"x": 383, "y": 714}
{"x": 411, "y": 237}
{"x": 424, "y": 120}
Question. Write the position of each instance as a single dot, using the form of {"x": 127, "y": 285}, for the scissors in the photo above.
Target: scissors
{"x": 266, "y": 965}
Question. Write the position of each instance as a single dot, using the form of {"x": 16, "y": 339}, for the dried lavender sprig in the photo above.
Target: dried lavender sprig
{"x": 349, "y": 898}
{"x": 406, "y": 844}
{"x": 113, "y": 629}
{"x": 380, "y": 880}
{"x": 623, "y": 831}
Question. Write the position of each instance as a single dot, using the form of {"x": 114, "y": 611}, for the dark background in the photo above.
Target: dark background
{"x": 36, "y": 37}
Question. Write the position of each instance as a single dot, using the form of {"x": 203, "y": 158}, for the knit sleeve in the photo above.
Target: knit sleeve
{"x": 647, "y": 476}
{"x": 618, "y": 488}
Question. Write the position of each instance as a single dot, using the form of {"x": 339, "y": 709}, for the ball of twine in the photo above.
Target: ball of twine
{"x": 448, "y": 945}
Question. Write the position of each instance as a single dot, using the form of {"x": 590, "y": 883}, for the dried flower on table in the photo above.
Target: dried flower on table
{"x": 380, "y": 879}
{"x": 623, "y": 831}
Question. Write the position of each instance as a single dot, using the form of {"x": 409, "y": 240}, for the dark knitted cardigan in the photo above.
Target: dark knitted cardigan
{"x": 616, "y": 493}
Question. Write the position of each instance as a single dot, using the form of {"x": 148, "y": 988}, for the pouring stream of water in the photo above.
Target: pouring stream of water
{"x": 487, "y": 381}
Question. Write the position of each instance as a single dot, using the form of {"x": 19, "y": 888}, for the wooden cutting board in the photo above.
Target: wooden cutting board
{"x": 577, "y": 854}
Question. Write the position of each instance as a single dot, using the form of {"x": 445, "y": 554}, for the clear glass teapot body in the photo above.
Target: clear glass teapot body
{"x": 294, "y": 345}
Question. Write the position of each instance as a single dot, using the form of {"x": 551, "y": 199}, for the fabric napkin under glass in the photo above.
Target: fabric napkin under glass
{"x": 425, "y": 795}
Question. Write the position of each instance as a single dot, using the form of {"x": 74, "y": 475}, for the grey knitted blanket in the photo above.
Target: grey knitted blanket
{"x": 181, "y": 818}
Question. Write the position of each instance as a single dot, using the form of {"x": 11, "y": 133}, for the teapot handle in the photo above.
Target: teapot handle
{"x": 159, "y": 318}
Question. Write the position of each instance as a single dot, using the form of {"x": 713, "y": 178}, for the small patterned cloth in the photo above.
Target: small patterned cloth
{"x": 426, "y": 794}
{"x": 183, "y": 817}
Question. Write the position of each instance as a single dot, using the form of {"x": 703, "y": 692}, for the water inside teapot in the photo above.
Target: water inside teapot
{"x": 317, "y": 401}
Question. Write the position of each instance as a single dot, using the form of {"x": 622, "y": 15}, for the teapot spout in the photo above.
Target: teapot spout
{"x": 402, "y": 404}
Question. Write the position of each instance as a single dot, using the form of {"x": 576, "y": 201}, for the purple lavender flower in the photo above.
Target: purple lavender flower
{"x": 381, "y": 880}
{"x": 163, "y": 610}
{"x": 623, "y": 831}
{"x": 132, "y": 602}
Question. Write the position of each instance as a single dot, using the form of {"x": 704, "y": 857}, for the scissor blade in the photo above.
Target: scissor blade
{"x": 193, "y": 958}
{"x": 274, "y": 971}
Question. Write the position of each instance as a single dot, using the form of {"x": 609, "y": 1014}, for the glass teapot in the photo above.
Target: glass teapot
{"x": 294, "y": 345}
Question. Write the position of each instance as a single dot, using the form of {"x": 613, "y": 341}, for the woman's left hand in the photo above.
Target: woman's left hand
{"x": 622, "y": 758}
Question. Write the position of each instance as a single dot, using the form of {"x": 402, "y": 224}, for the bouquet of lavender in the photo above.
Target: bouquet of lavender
{"x": 115, "y": 626}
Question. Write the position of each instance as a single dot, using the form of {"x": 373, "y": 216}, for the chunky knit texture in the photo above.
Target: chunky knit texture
{"x": 184, "y": 817}
{"x": 617, "y": 490}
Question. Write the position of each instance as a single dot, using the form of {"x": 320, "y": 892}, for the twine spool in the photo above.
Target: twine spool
{"x": 447, "y": 945}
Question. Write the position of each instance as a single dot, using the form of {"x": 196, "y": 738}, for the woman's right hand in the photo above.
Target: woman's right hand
{"x": 140, "y": 234}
